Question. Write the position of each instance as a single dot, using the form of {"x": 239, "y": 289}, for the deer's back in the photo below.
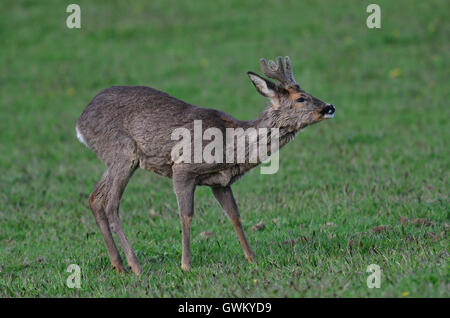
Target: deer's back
{"x": 137, "y": 121}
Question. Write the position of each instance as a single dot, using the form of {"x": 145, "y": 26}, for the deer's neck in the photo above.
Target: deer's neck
{"x": 272, "y": 119}
{"x": 264, "y": 120}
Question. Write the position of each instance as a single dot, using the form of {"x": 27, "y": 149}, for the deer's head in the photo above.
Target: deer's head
{"x": 291, "y": 106}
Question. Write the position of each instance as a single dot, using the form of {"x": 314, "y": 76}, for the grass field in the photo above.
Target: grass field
{"x": 370, "y": 186}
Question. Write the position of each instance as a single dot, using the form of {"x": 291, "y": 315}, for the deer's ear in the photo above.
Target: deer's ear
{"x": 264, "y": 87}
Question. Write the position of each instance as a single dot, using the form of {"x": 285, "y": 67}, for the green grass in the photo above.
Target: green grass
{"x": 384, "y": 156}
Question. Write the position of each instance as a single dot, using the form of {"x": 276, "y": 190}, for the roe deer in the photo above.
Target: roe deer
{"x": 130, "y": 127}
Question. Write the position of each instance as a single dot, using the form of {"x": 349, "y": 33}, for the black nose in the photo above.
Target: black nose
{"x": 329, "y": 109}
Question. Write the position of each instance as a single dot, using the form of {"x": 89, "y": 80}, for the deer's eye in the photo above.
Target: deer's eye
{"x": 301, "y": 100}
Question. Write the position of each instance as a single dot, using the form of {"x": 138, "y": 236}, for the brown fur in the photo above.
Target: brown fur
{"x": 129, "y": 127}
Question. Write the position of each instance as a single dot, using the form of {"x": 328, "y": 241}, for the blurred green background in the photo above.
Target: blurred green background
{"x": 368, "y": 187}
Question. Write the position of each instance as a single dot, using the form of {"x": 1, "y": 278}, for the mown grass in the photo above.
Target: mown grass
{"x": 383, "y": 160}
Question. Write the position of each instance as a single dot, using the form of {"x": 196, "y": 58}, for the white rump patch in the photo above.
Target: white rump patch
{"x": 80, "y": 137}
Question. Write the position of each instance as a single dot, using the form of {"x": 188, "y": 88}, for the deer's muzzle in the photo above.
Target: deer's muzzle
{"x": 328, "y": 111}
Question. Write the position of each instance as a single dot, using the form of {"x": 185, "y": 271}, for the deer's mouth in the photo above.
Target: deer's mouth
{"x": 328, "y": 111}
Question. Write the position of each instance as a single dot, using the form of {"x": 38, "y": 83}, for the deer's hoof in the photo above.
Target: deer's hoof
{"x": 120, "y": 269}
{"x": 186, "y": 267}
{"x": 251, "y": 258}
{"x": 137, "y": 270}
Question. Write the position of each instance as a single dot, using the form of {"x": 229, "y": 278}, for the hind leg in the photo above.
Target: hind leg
{"x": 97, "y": 203}
{"x": 120, "y": 175}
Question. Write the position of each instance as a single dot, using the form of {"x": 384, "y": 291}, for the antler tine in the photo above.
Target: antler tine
{"x": 274, "y": 67}
{"x": 278, "y": 71}
{"x": 289, "y": 72}
{"x": 270, "y": 70}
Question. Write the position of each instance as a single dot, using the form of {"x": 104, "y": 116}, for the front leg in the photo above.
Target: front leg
{"x": 184, "y": 188}
{"x": 225, "y": 197}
